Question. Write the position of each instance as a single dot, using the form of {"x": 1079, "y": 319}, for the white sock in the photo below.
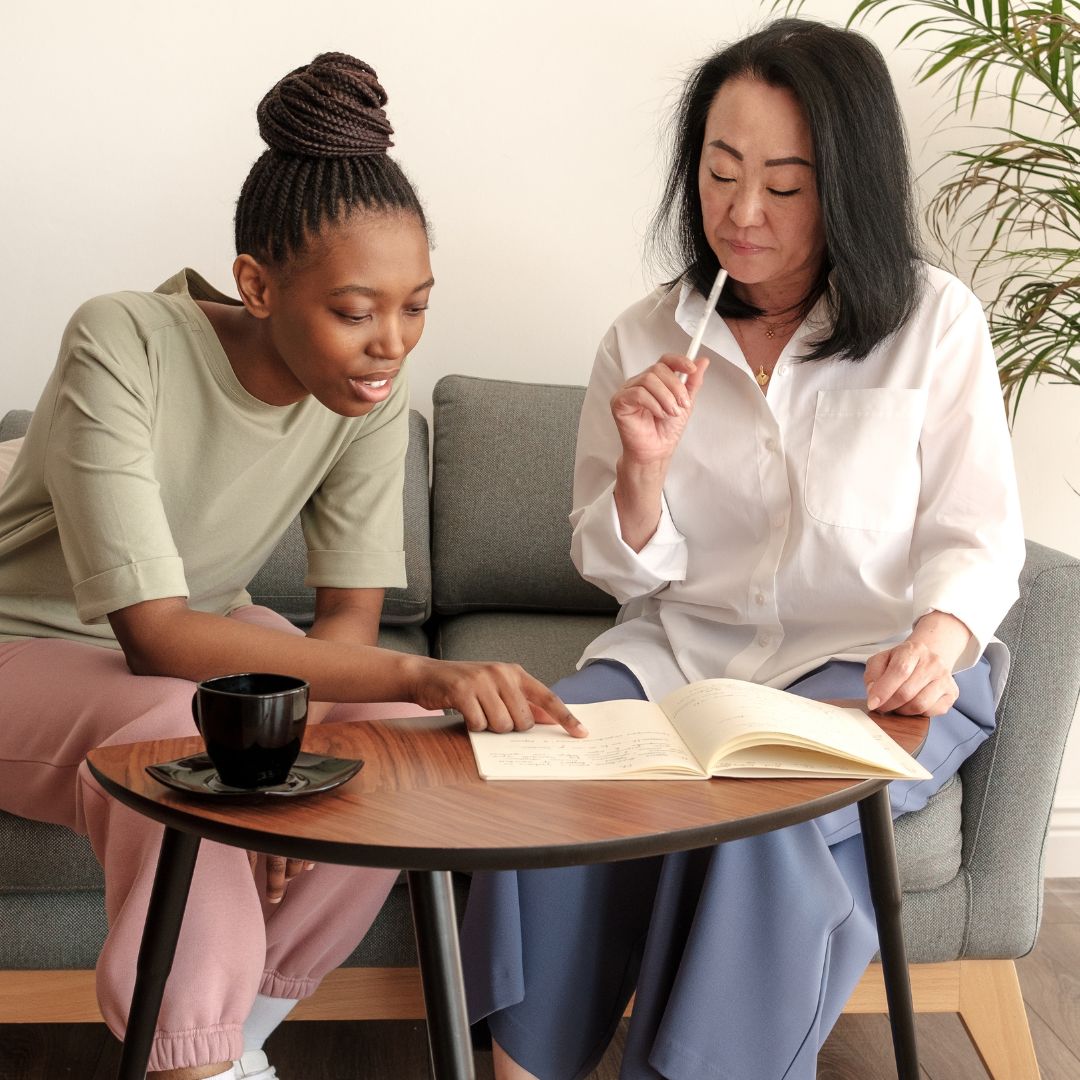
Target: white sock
{"x": 266, "y": 1013}
{"x": 253, "y": 1066}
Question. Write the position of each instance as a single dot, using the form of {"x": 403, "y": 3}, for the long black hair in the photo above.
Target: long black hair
{"x": 871, "y": 274}
{"x": 328, "y": 138}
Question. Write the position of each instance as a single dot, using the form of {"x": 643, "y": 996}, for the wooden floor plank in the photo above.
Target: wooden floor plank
{"x": 1061, "y": 900}
{"x": 858, "y": 1048}
{"x": 945, "y": 1051}
{"x": 1064, "y": 892}
{"x": 331, "y": 1049}
{"x": 1071, "y": 901}
{"x": 1050, "y": 981}
{"x": 1060, "y": 908}
{"x": 1056, "y": 1060}
{"x": 52, "y": 1051}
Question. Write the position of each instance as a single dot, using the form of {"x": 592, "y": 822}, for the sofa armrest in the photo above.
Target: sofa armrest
{"x": 1009, "y": 782}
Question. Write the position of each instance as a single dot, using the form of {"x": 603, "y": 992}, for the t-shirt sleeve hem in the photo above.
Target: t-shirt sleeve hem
{"x": 356, "y": 570}
{"x": 149, "y": 579}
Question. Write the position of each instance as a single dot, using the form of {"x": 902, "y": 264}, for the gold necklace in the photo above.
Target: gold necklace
{"x": 772, "y": 327}
{"x": 762, "y": 377}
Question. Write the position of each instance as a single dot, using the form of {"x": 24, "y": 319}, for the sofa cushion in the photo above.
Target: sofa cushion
{"x": 14, "y": 423}
{"x": 406, "y": 639}
{"x": 45, "y": 858}
{"x": 391, "y": 941}
{"x": 928, "y": 842}
{"x": 511, "y": 549}
{"x": 48, "y": 933}
{"x": 67, "y": 931}
{"x": 547, "y": 646}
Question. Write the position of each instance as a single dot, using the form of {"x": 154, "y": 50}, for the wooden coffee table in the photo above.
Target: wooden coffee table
{"x": 419, "y": 805}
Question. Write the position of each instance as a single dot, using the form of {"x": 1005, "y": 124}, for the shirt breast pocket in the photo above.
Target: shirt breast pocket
{"x": 862, "y": 468}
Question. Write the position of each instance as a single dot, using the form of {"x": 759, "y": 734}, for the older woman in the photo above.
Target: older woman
{"x": 827, "y": 504}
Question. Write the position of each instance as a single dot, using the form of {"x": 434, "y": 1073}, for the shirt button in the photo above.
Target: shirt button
{"x": 760, "y": 598}
{"x": 770, "y": 445}
{"x": 764, "y": 640}
{"x": 779, "y": 521}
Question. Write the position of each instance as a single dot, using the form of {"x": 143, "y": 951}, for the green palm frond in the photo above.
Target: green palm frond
{"x": 1037, "y": 334}
{"x": 1034, "y": 43}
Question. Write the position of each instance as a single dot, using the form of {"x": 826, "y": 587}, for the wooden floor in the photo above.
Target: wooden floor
{"x": 858, "y": 1049}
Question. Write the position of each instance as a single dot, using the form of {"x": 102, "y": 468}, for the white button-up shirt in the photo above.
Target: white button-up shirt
{"x": 818, "y": 522}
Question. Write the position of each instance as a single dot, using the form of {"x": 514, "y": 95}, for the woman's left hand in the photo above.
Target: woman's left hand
{"x": 279, "y": 872}
{"x": 915, "y": 677}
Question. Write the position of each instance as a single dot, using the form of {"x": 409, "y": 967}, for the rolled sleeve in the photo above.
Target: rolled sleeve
{"x": 151, "y": 579}
{"x": 99, "y": 468}
{"x": 355, "y": 569}
{"x": 949, "y": 585}
{"x": 968, "y": 542}
{"x": 604, "y": 558}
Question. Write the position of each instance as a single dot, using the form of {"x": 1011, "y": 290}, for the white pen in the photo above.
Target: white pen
{"x": 710, "y": 307}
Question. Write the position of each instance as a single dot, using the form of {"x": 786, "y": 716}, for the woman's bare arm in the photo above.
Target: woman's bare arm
{"x": 165, "y": 637}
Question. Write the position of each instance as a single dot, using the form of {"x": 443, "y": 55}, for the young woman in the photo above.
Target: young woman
{"x": 179, "y": 434}
{"x": 828, "y": 505}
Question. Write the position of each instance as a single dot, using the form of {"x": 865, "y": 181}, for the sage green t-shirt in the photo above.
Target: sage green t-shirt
{"x": 148, "y": 471}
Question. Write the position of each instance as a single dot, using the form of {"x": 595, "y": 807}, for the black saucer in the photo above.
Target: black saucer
{"x": 196, "y": 775}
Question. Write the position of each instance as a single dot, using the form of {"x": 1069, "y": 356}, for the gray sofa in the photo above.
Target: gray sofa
{"x": 490, "y": 578}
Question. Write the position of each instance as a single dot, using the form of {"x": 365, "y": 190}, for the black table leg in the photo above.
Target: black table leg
{"x": 176, "y": 863}
{"x": 875, "y": 817}
{"x": 432, "y": 897}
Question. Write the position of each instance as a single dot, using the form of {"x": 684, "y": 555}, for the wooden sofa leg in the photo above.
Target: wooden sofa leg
{"x": 985, "y": 994}
{"x": 992, "y": 1010}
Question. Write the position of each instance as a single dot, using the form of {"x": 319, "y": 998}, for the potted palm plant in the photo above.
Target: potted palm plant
{"x": 1012, "y": 201}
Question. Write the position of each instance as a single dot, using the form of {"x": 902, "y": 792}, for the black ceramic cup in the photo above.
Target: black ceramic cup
{"x": 252, "y": 726}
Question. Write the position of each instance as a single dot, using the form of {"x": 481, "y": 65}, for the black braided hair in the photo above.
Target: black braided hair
{"x": 328, "y": 136}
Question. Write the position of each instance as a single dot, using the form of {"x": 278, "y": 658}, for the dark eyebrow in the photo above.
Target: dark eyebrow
{"x": 721, "y": 145}
{"x": 737, "y": 155}
{"x": 793, "y": 160}
{"x": 365, "y": 290}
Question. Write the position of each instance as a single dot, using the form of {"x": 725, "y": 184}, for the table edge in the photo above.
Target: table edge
{"x": 487, "y": 858}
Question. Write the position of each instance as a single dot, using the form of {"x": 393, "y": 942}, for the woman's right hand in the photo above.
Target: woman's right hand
{"x": 491, "y": 696}
{"x": 652, "y": 409}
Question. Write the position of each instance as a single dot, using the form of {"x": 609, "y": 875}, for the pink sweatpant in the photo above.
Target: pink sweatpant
{"x": 61, "y": 699}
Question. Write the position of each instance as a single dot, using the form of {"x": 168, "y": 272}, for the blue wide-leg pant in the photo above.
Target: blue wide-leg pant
{"x": 742, "y": 955}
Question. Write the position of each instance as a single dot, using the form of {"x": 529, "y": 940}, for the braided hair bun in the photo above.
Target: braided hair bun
{"x": 328, "y": 136}
{"x": 332, "y": 107}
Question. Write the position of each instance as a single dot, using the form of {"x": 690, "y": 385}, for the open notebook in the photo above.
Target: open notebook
{"x": 717, "y": 727}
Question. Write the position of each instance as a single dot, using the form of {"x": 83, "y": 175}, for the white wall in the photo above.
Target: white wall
{"x": 530, "y": 130}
